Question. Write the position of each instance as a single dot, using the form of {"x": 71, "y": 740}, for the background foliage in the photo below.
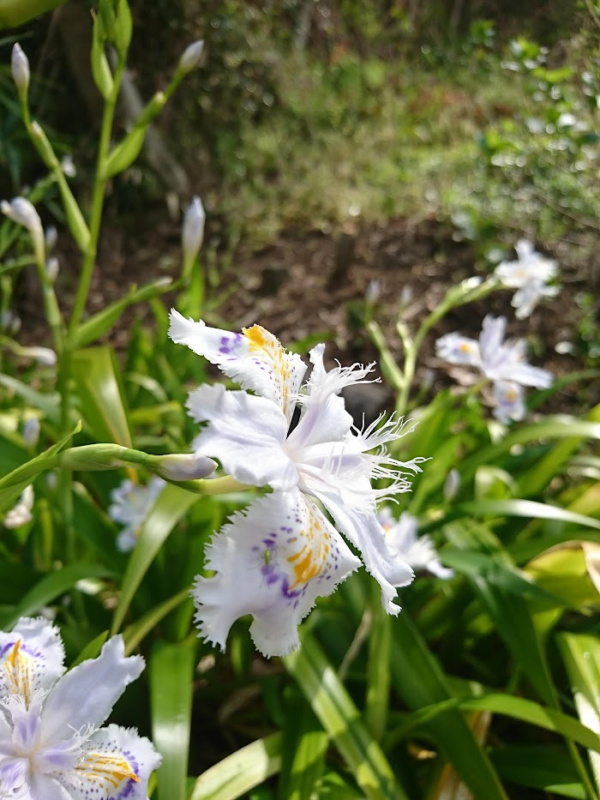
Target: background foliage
{"x": 301, "y": 116}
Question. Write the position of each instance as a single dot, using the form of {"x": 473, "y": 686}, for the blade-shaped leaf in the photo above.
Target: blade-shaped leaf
{"x": 241, "y": 771}
{"x": 581, "y": 654}
{"x": 51, "y": 587}
{"x": 102, "y": 399}
{"x": 547, "y": 768}
{"x": 420, "y": 682}
{"x": 304, "y": 748}
{"x": 171, "y": 675}
{"x": 340, "y": 718}
{"x": 169, "y": 507}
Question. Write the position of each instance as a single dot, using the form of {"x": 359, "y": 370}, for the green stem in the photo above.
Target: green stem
{"x": 452, "y": 300}
{"x": 89, "y": 256}
{"x": 94, "y": 457}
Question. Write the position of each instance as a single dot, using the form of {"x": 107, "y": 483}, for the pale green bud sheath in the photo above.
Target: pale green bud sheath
{"x": 19, "y": 65}
{"x": 191, "y": 57}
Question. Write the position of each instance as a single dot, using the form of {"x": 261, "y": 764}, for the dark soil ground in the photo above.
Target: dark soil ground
{"x": 313, "y": 285}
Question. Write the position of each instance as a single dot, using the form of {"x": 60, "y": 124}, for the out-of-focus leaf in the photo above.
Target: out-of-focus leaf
{"x": 544, "y": 767}
{"x": 340, "y": 718}
{"x": 581, "y": 654}
{"x": 49, "y": 403}
{"x": 546, "y": 468}
{"x": 99, "y": 324}
{"x": 169, "y": 507}
{"x": 92, "y": 649}
{"x": 102, "y": 399}
{"x": 12, "y": 485}
{"x": 49, "y": 588}
{"x": 17, "y": 12}
{"x": 171, "y": 674}
{"x": 535, "y": 714}
{"x": 241, "y": 771}
{"x": 303, "y": 750}
{"x": 562, "y": 571}
{"x": 136, "y": 632}
{"x": 492, "y": 570}
{"x": 420, "y": 682}
{"x": 511, "y": 616}
{"x": 524, "y": 508}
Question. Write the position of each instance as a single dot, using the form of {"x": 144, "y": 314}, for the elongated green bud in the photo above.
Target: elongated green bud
{"x": 183, "y": 467}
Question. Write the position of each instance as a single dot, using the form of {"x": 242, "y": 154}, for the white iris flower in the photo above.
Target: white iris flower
{"x": 131, "y": 504}
{"x": 502, "y": 362}
{"x": 276, "y": 558}
{"x": 530, "y": 274}
{"x": 51, "y": 744}
{"x": 418, "y": 551}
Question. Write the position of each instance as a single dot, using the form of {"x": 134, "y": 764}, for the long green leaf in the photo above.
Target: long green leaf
{"x": 12, "y": 485}
{"x": 51, "y": 587}
{"x": 420, "y": 682}
{"x": 138, "y": 630}
{"x": 99, "y": 324}
{"x": 542, "y": 767}
{"x": 241, "y": 771}
{"x": 340, "y": 718}
{"x": 529, "y": 509}
{"x": 171, "y": 675}
{"x": 535, "y": 714}
{"x": 102, "y": 400}
{"x": 169, "y": 507}
{"x": 304, "y": 748}
{"x": 581, "y": 654}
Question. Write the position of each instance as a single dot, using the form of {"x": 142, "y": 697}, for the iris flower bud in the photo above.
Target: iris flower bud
{"x": 191, "y": 56}
{"x": 193, "y": 230}
{"x": 19, "y": 65}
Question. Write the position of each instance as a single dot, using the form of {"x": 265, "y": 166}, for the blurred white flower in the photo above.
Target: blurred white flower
{"x": 31, "y": 431}
{"x": 52, "y": 268}
{"x": 43, "y": 355}
{"x": 418, "y": 551}
{"x": 452, "y": 485}
{"x": 502, "y": 362}
{"x": 276, "y": 558}
{"x": 68, "y": 166}
{"x": 52, "y": 745}
{"x": 373, "y": 292}
{"x": 50, "y": 237}
{"x": 21, "y": 211}
{"x": 191, "y": 56}
{"x": 130, "y": 506}
{"x": 192, "y": 232}
{"x": 10, "y": 322}
{"x": 19, "y": 65}
{"x": 530, "y": 274}
{"x": 20, "y": 514}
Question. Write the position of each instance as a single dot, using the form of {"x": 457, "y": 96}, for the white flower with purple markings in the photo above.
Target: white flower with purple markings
{"x": 531, "y": 275}
{"x": 52, "y": 745}
{"x": 501, "y": 362}
{"x": 418, "y": 551}
{"x": 273, "y": 560}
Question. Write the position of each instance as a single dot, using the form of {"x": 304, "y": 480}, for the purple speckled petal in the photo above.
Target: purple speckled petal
{"x": 253, "y": 358}
{"x": 271, "y": 562}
